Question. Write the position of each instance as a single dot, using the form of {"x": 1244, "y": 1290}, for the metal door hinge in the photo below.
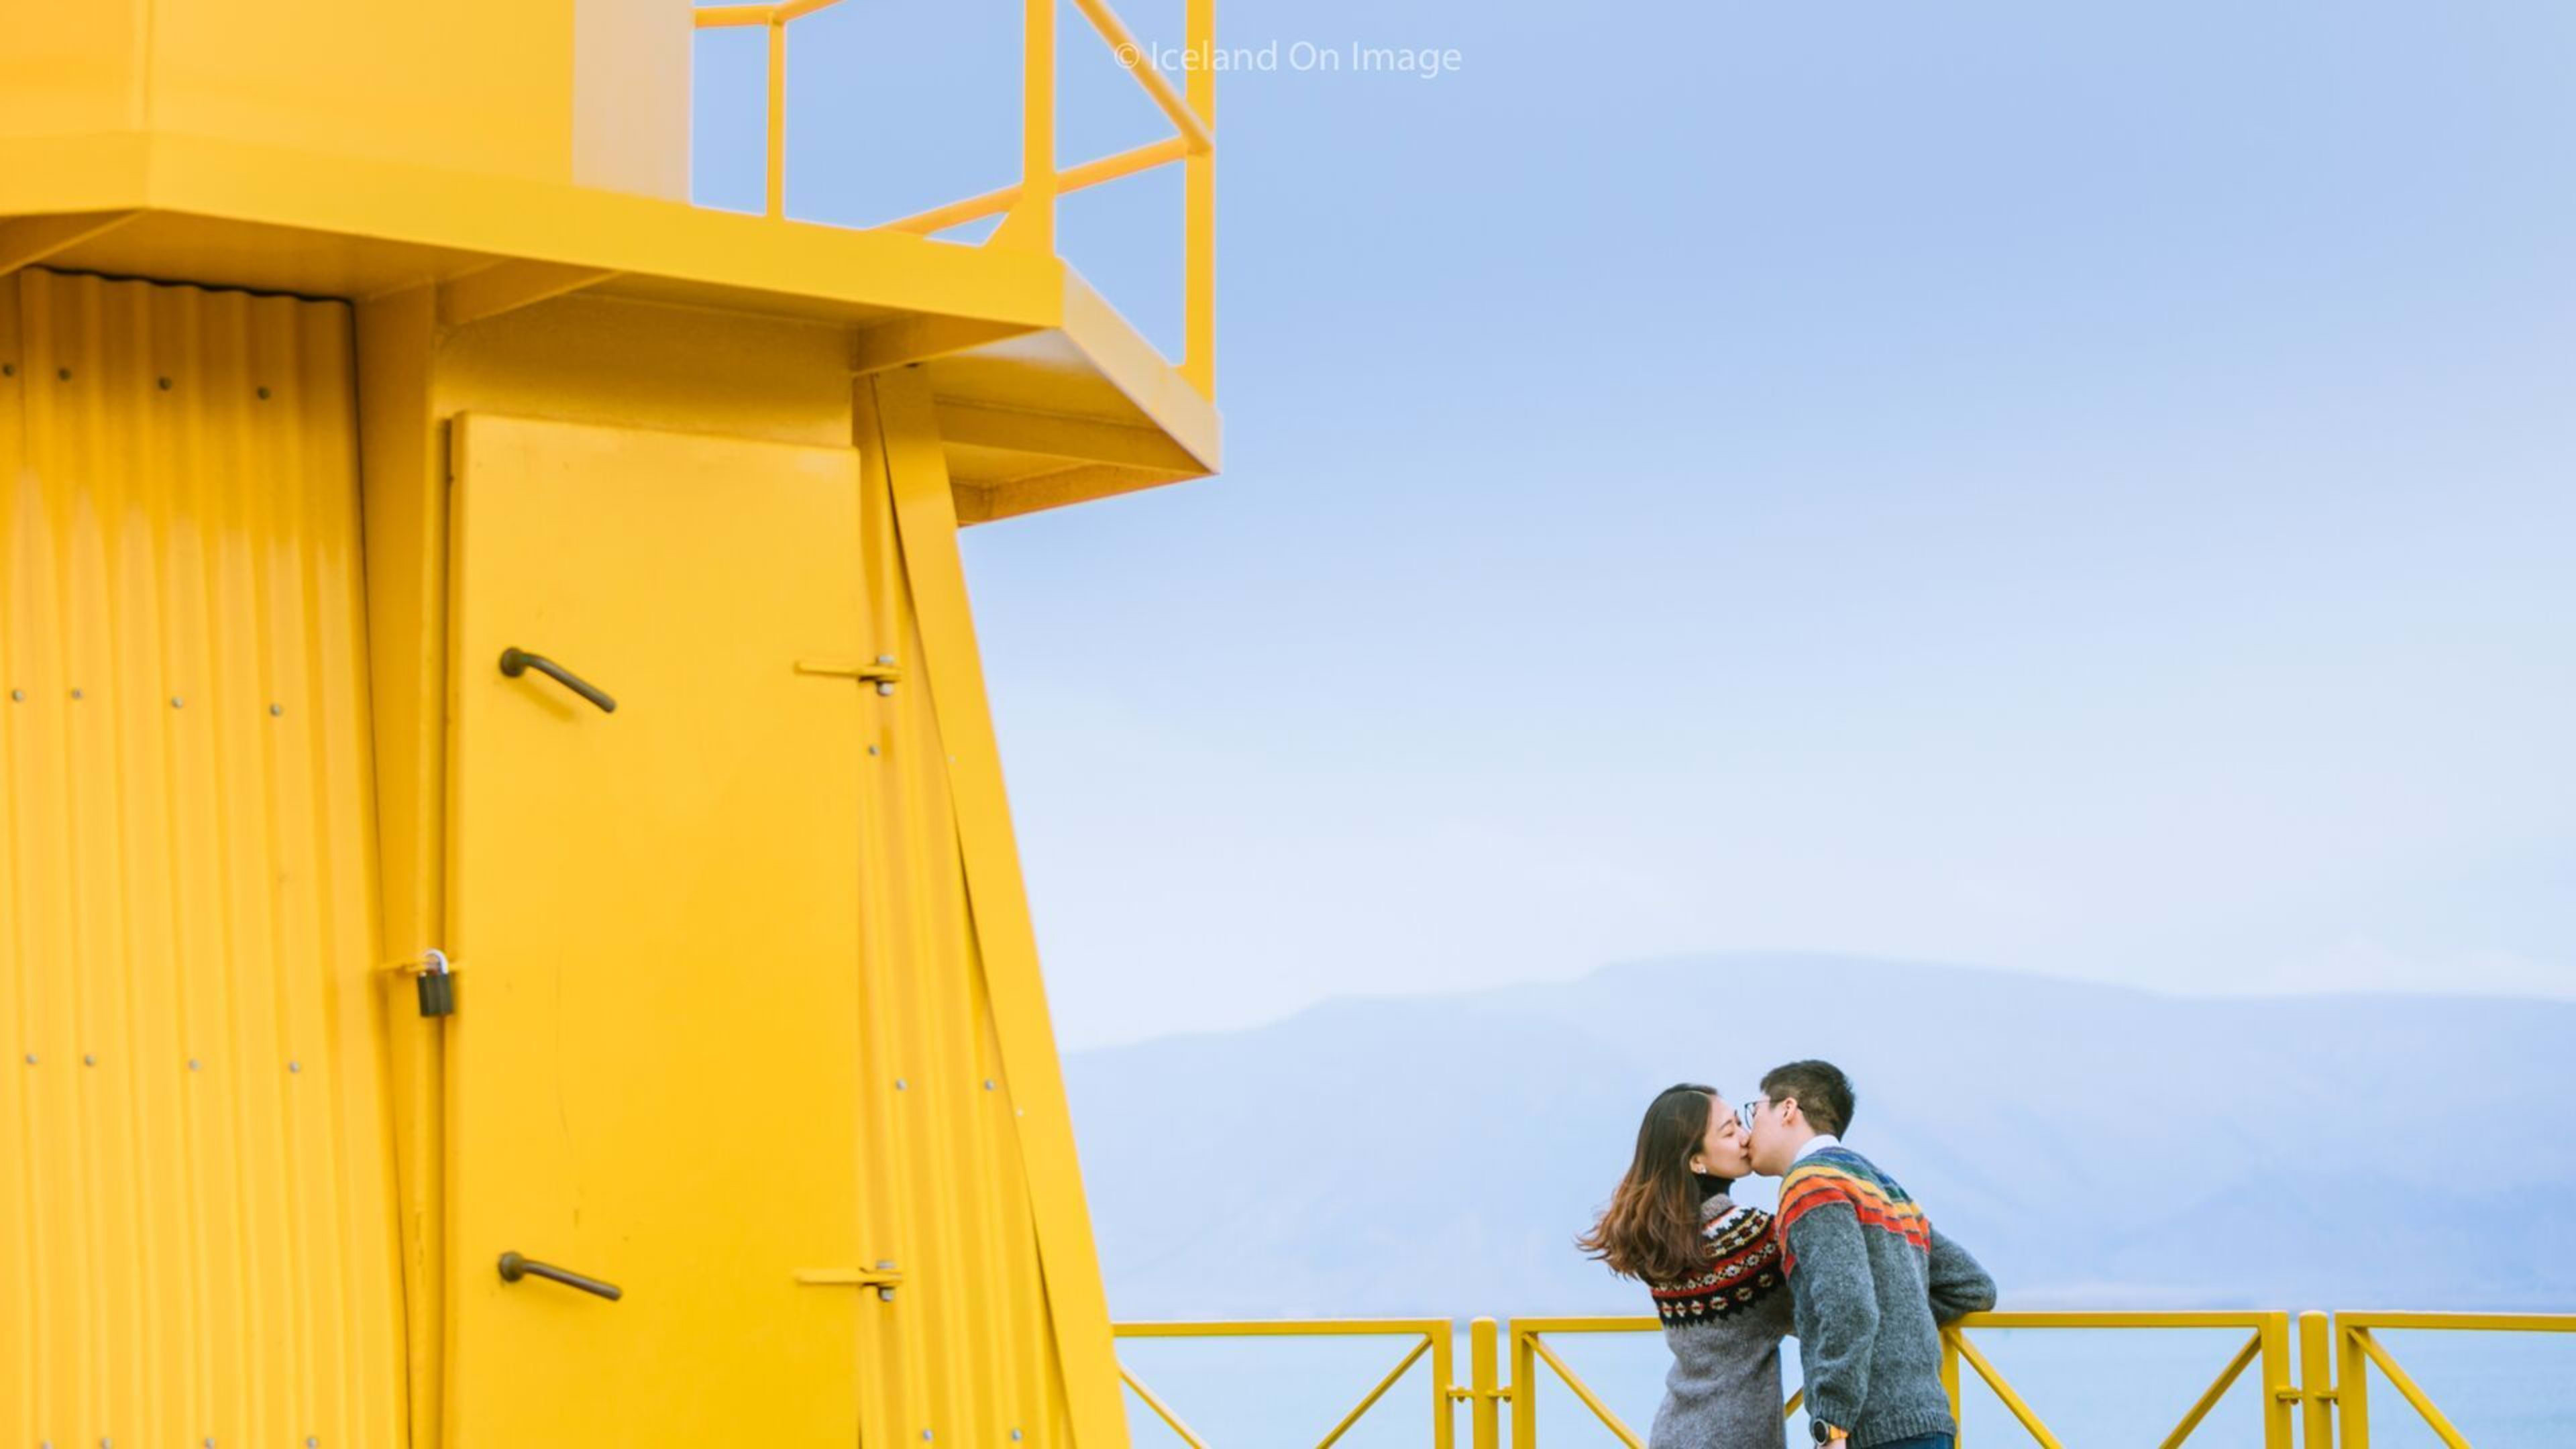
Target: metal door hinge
{"x": 885, "y": 674}
{"x": 884, "y": 1278}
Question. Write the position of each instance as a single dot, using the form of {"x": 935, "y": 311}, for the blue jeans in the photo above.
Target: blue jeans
{"x": 1919, "y": 1441}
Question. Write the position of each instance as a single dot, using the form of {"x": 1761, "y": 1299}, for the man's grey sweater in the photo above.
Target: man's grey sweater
{"x": 1872, "y": 1283}
{"x": 1724, "y": 1325}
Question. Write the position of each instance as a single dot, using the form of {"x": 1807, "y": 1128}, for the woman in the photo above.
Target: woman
{"x": 1714, "y": 1270}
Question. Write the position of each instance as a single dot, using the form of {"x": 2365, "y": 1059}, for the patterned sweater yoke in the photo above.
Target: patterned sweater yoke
{"x": 1839, "y": 1175}
{"x": 1723, "y": 1324}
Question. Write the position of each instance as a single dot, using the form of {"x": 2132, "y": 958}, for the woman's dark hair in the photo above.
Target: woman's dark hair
{"x": 1650, "y": 1230}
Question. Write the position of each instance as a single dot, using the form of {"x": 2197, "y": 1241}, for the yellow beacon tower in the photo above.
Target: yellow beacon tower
{"x": 510, "y": 933}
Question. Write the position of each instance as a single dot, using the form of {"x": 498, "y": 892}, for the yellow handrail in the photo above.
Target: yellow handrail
{"x": 2269, "y": 1343}
{"x": 1072, "y": 178}
{"x": 2337, "y": 1411}
{"x": 1028, "y": 206}
{"x": 2266, "y": 1349}
{"x": 2355, "y": 1346}
{"x": 1435, "y": 1337}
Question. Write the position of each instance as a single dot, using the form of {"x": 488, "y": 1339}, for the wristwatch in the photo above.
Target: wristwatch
{"x": 1826, "y": 1433}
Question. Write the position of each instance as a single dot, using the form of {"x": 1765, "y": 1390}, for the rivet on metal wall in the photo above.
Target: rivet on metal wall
{"x": 177, "y": 703}
{"x": 89, "y": 1059}
{"x": 165, "y": 384}
{"x": 76, "y": 694}
{"x": 925, "y": 1433}
{"x": 31, "y": 1059}
{"x": 899, "y": 1084}
{"x": 10, "y": 369}
{"x": 988, "y": 1084}
{"x": 1015, "y": 1436}
{"x": 295, "y": 1066}
{"x": 63, "y": 374}
{"x": 263, "y": 394}
{"x": 192, "y": 1066}
{"x": 17, "y": 696}
{"x": 277, "y": 709}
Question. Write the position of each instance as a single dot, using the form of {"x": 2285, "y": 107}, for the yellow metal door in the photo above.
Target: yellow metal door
{"x": 655, "y": 921}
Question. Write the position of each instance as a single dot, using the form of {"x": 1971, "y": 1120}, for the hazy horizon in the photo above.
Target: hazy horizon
{"x": 1747, "y": 954}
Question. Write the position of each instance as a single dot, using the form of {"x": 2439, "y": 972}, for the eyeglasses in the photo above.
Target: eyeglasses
{"x": 1750, "y": 1110}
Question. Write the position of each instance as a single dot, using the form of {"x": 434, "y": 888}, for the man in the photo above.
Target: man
{"x": 1870, "y": 1282}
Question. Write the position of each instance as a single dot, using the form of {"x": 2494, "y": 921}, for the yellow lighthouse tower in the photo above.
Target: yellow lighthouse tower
{"x": 510, "y": 932}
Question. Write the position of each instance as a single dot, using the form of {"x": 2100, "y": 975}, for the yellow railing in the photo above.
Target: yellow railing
{"x": 1028, "y": 208}
{"x": 2313, "y": 1393}
{"x": 2267, "y": 1342}
{"x": 2339, "y": 1350}
{"x": 1433, "y": 1336}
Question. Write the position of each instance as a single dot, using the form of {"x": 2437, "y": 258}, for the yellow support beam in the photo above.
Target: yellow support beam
{"x": 1161, "y": 1410}
{"x": 1031, "y": 223}
{"x": 1484, "y": 1394}
{"x": 776, "y": 190}
{"x": 2218, "y": 1390}
{"x": 2011, "y": 1397}
{"x": 897, "y": 430}
{"x": 1582, "y": 1391}
{"x": 27, "y": 240}
{"x": 2410, "y": 1390}
{"x": 1198, "y": 215}
{"x": 508, "y": 286}
{"x": 1369, "y": 1401}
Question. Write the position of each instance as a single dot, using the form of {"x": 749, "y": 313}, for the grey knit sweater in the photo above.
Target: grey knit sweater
{"x": 1724, "y": 1325}
{"x": 1872, "y": 1283}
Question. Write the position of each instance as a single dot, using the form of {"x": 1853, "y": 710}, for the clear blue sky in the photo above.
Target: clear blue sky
{"x": 2082, "y": 489}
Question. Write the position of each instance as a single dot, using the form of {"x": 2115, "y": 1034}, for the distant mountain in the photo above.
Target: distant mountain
{"x": 2096, "y": 1146}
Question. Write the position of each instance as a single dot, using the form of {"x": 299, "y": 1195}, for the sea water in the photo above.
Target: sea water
{"x": 2114, "y": 1388}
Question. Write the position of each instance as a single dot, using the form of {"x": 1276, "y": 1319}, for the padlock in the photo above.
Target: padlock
{"x": 437, "y": 987}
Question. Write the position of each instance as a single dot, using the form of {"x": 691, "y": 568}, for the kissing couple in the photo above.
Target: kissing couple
{"x": 1849, "y": 1264}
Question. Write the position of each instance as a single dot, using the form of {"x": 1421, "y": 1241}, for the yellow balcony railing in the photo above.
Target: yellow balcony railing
{"x": 2314, "y": 1393}
{"x": 2267, "y": 1342}
{"x": 2339, "y": 1351}
{"x": 1027, "y": 209}
{"x": 1432, "y": 1336}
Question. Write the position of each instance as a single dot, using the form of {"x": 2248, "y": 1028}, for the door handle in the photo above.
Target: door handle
{"x": 515, "y": 662}
{"x": 514, "y": 1268}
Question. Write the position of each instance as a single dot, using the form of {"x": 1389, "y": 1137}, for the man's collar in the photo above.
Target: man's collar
{"x": 1816, "y": 1144}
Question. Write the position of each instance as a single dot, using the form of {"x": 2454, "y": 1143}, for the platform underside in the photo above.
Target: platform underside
{"x": 1046, "y": 395}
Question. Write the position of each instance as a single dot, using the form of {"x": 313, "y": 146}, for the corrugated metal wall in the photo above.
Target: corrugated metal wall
{"x": 196, "y": 1200}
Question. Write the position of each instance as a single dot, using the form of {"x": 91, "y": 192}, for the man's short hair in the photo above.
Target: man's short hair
{"x": 1822, "y": 1092}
